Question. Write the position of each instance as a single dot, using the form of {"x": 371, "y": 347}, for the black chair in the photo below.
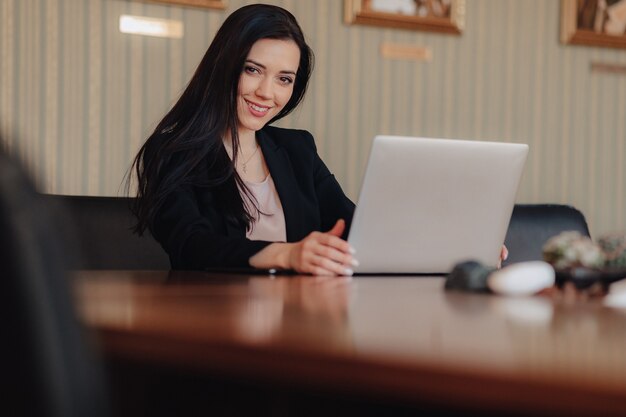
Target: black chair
{"x": 103, "y": 226}
{"x": 50, "y": 368}
{"x": 533, "y": 224}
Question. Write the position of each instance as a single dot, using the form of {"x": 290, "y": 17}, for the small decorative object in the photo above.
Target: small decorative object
{"x": 468, "y": 276}
{"x": 571, "y": 250}
{"x": 579, "y": 260}
{"x": 614, "y": 248}
{"x": 523, "y": 278}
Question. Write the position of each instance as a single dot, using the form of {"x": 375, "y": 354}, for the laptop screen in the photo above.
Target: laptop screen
{"x": 426, "y": 204}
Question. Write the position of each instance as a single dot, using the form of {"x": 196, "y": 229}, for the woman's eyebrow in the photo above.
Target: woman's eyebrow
{"x": 258, "y": 64}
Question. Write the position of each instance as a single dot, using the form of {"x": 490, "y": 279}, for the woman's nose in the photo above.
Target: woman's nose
{"x": 264, "y": 89}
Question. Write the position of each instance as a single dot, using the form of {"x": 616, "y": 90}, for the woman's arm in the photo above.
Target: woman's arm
{"x": 318, "y": 254}
{"x": 194, "y": 233}
{"x": 195, "y": 239}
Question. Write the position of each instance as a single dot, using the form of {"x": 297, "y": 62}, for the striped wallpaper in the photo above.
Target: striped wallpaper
{"x": 77, "y": 97}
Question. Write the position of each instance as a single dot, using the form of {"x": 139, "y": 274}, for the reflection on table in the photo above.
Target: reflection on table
{"x": 397, "y": 339}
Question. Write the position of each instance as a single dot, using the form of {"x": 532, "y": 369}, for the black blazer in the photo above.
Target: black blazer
{"x": 196, "y": 235}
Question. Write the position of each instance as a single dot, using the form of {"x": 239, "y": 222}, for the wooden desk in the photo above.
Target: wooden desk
{"x": 401, "y": 340}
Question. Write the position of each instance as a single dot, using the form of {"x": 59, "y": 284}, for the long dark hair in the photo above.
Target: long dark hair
{"x": 186, "y": 147}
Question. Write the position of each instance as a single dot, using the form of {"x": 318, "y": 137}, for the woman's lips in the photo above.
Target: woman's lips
{"x": 256, "y": 109}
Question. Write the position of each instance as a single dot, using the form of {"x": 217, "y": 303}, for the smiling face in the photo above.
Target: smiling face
{"x": 266, "y": 82}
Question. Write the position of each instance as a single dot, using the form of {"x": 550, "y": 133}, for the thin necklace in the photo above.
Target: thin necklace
{"x": 245, "y": 163}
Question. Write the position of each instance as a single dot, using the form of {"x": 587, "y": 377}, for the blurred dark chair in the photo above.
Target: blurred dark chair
{"x": 50, "y": 367}
{"x": 533, "y": 224}
{"x": 103, "y": 226}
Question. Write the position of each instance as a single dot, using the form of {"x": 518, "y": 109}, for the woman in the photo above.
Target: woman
{"x": 219, "y": 187}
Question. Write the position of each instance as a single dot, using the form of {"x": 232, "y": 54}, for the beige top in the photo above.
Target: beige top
{"x": 270, "y": 225}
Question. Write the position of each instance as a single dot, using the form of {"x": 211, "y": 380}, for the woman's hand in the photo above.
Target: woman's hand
{"x": 317, "y": 254}
{"x": 504, "y": 253}
{"x": 323, "y": 253}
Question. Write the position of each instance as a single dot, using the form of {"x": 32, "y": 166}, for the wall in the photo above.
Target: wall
{"x": 78, "y": 97}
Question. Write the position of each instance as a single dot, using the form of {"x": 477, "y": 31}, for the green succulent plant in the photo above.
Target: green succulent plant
{"x": 571, "y": 250}
{"x": 614, "y": 248}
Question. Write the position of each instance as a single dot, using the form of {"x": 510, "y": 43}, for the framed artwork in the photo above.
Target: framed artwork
{"x": 443, "y": 16}
{"x": 211, "y": 4}
{"x": 594, "y": 22}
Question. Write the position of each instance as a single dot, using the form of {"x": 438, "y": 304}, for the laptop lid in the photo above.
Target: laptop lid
{"x": 426, "y": 204}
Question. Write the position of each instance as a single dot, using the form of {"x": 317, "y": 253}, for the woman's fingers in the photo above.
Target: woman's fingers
{"x": 328, "y": 265}
{"x": 335, "y": 242}
{"x": 338, "y": 228}
{"x": 504, "y": 253}
{"x": 319, "y": 259}
{"x": 325, "y": 253}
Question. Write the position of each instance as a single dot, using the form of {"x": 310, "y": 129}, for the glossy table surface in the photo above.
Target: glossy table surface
{"x": 399, "y": 338}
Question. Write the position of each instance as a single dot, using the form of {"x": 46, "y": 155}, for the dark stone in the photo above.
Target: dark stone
{"x": 469, "y": 276}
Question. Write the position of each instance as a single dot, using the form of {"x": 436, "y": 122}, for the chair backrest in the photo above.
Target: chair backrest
{"x": 103, "y": 226}
{"x": 533, "y": 224}
{"x": 49, "y": 368}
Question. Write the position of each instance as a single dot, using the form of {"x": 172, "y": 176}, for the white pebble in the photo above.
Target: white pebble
{"x": 523, "y": 278}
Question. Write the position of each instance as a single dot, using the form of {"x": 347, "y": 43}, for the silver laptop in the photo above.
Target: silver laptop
{"x": 426, "y": 204}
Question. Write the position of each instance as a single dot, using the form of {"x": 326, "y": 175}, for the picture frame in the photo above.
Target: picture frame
{"x": 209, "y": 4}
{"x": 441, "y": 16}
{"x": 593, "y": 23}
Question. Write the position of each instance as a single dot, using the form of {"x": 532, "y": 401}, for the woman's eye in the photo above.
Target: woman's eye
{"x": 286, "y": 80}
{"x": 252, "y": 70}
